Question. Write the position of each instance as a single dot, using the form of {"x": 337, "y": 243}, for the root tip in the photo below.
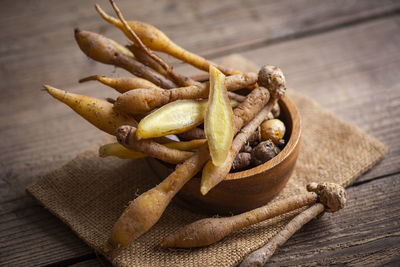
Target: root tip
{"x": 90, "y": 78}
{"x": 48, "y": 88}
{"x": 102, "y": 153}
{"x": 204, "y": 190}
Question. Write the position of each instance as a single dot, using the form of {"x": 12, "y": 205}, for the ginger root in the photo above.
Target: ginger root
{"x": 98, "y": 112}
{"x": 241, "y": 161}
{"x": 173, "y": 118}
{"x": 263, "y": 152}
{"x": 255, "y": 137}
{"x": 122, "y": 84}
{"x": 207, "y": 231}
{"x": 126, "y": 136}
{"x": 273, "y": 130}
{"x": 218, "y": 120}
{"x": 144, "y": 58}
{"x": 186, "y": 145}
{"x": 118, "y": 150}
{"x": 332, "y": 197}
{"x": 271, "y": 77}
{"x": 146, "y": 54}
{"x": 156, "y": 40}
{"x": 104, "y": 50}
{"x": 142, "y": 101}
{"x": 144, "y": 211}
{"x": 194, "y": 133}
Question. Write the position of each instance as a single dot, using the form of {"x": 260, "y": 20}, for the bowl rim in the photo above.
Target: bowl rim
{"x": 294, "y": 139}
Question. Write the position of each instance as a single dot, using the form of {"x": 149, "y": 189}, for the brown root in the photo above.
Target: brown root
{"x": 104, "y": 50}
{"x": 126, "y": 136}
{"x": 241, "y": 161}
{"x": 208, "y": 231}
{"x": 263, "y": 152}
{"x": 195, "y": 133}
{"x": 122, "y": 84}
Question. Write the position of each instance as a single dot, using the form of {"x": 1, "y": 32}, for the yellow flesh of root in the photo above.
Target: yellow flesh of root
{"x": 175, "y": 117}
{"x": 218, "y": 122}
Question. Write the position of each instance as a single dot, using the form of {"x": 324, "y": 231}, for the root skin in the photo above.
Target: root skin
{"x": 273, "y": 130}
{"x": 245, "y": 111}
{"x": 98, "y": 112}
{"x": 208, "y": 231}
{"x": 122, "y": 84}
{"x": 146, "y": 60}
{"x": 332, "y": 198}
{"x": 241, "y": 161}
{"x": 102, "y": 49}
{"x": 126, "y": 136}
{"x": 143, "y": 57}
{"x": 143, "y": 212}
{"x": 119, "y": 151}
{"x": 261, "y": 256}
{"x": 156, "y": 40}
{"x": 195, "y": 133}
{"x": 263, "y": 152}
{"x": 142, "y": 101}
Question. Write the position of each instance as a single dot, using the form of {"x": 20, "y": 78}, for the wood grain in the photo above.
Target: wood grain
{"x": 42, "y": 47}
{"x": 31, "y": 236}
{"x": 353, "y": 73}
{"x": 373, "y": 239}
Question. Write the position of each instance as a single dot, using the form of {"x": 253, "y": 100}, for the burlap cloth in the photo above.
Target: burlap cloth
{"x": 89, "y": 193}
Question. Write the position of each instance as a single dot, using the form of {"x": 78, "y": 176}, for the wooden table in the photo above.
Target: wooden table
{"x": 343, "y": 54}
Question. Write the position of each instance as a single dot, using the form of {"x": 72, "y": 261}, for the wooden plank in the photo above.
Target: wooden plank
{"x": 372, "y": 239}
{"x": 223, "y": 22}
{"x": 354, "y": 74}
{"x": 31, "y": 236}
{"x": 32, "y": 55}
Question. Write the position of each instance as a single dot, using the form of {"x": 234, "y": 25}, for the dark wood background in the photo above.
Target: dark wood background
{"x": 344, "y": 54}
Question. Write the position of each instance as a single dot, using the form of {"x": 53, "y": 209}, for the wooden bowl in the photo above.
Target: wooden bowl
{"x": 249, "y": 189}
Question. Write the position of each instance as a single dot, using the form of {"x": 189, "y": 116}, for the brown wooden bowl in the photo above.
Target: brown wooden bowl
{"x": 249, "y": 189}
